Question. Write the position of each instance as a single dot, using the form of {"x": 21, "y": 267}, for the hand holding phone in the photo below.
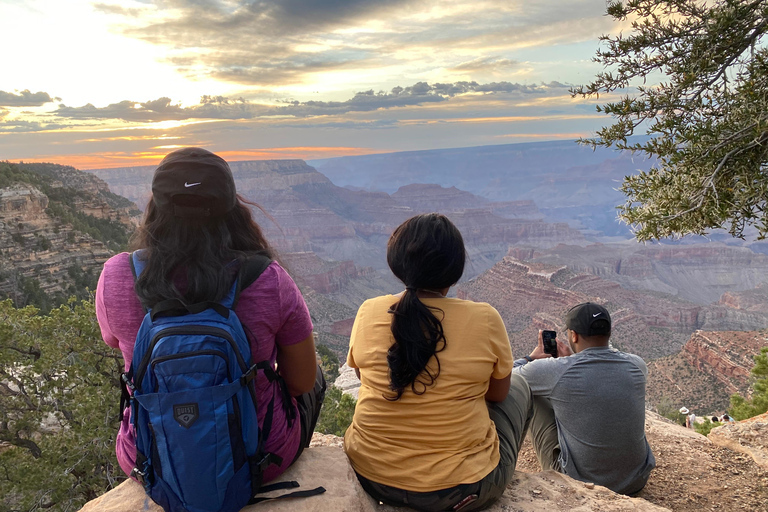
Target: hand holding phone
{"x": 550, "y": 342}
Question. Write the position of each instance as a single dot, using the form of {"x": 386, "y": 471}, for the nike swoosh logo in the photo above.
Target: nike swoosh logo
{"x": 187, "y": 185}
{"x": 597, "y": 314}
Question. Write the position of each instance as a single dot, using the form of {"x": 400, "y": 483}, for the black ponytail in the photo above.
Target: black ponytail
{"x": 425, "y": 252}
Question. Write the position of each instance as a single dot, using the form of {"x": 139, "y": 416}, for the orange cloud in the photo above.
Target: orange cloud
{"x": 103, "y": 160}
{"x": 301, "y": 152}
{"x": 548, "y": 136}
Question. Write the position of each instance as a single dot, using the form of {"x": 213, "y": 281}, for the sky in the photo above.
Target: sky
{"x": 113, "y": 83}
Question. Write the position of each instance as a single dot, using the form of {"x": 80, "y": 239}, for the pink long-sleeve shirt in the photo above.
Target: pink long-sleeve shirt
{"x": 272, "y": 308}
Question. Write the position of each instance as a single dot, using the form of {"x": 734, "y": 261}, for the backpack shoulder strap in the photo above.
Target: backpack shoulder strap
{"x": 249, "y": 272}
{"x": 137, "y": 267}
{"x": 137, "y": 263}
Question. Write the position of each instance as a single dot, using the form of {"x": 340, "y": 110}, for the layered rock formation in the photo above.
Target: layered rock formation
{"x": 531, "y": 295}
{"x": 340, "y": 281}
{"x": 698, "y": 273}
{"x": 49, "y": 244}
{"x": 34, "y": 245}
{"x": 755, "y": 299}
{"x": 710, "y": 368}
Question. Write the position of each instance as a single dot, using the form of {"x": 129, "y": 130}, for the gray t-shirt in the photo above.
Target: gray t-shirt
{"x": 598, "y": 397}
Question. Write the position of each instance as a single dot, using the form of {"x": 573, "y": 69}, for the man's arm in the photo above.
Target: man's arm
{"x": 563, "y": 350}
{"x": 541, "y": 370}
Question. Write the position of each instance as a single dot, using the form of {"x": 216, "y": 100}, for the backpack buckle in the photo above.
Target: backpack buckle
{"x": 139, "y": 475}
{"x": 127, "y": 381}
{"x": 249, "y": 375}
{"x": 269, "y": 459}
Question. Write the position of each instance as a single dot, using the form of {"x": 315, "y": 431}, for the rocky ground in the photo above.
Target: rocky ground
{"x": 692, "y": 473}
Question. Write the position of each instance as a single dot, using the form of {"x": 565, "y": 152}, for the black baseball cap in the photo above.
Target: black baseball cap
{"x": 194, "y": 182}
{"x": 582, "y": 317}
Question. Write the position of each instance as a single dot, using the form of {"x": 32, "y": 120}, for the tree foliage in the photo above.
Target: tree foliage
{"x": 329, "y": 362}
{"x": 336, "y": 413}
{"x": 742, "y": 408}
{"x": 706, "y": 426}
{"x": 58, "y": 408}
{"x": 707, "y": 118}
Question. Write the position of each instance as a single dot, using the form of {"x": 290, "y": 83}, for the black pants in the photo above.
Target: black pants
{"x": 309, "y": 411}
{"x": 511, "y": 417}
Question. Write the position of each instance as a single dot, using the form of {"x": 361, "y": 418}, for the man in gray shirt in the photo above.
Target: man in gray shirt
{"x": 589, "y": 405}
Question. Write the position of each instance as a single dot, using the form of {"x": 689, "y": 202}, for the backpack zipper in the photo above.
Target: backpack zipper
{"x": 202, "y": 329}
{"x": 171, "y": 357}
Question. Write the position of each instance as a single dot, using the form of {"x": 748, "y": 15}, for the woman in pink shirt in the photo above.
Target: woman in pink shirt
{"x": 196, "y": 234}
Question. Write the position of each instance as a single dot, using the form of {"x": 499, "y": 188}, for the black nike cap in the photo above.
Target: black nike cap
{"x": 583, "y": 319}
{"x": 194, "y": 182}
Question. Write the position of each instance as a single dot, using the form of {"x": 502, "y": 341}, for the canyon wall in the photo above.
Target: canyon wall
{"x": 698, "y": 273}
{"x": 531, "y": 295}
{"x": 36, "y": 246}
{"x": 710, "y": 368}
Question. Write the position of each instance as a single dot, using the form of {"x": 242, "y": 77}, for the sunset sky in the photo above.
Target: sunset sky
{"x": 114, "y": 83}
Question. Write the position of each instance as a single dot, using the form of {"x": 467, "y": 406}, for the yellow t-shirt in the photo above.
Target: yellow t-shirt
{"x": 443, "y": 437}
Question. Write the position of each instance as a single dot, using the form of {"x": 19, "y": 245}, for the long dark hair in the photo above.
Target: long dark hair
{"x": 425, "y": 252}
{"x": 203, "y": 252}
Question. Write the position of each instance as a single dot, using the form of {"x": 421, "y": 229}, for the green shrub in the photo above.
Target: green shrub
{"x": 741, "y": 408}
{"x": 706, "y": 426}
{"x": 59, "y": 417}
{"x": 336, "y": 414}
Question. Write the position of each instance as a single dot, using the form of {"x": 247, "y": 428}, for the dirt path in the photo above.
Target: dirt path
{"x": 691, "y": 473}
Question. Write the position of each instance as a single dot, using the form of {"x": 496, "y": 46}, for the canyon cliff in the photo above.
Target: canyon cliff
{"x": 698, "y": 273}
{"x": 55, "y": 241}
{"x": 710, "y": 368}
{"x": 531, "y": 295}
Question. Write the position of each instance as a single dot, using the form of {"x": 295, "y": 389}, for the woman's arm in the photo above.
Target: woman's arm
{"x": 297, "y": 365}
{"x": 498, "y": 389}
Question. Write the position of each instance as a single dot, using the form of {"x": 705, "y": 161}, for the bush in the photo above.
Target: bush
{"x": 336, "y": 414}
{"x": 706, "y": 426}
{"x": 742, "y": 408}
{"x": 329, "y": 362}
{"x": 58, "y": 408}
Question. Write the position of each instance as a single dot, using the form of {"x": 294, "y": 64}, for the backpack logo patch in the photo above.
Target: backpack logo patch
{"x": 186, "y": 414}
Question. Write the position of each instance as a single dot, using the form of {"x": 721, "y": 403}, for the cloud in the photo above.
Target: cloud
{"x": 253, "y": 42}
{"x": 485, "y": 64}
{"x": 3, "y": 113}
{"x": 20, "y": 126}
{"x": 220, "y": 107}
{"x": 268, "y": 42}
{"x": 346, "y": 125}
{"x": 24, "y": 99}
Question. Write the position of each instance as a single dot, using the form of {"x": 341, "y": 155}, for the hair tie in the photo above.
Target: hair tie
{"x": 411, "y": 288}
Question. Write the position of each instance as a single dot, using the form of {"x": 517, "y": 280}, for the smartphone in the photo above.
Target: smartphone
{"x": 550, "y": 343}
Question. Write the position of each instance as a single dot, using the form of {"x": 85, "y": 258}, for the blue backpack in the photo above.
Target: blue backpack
{"x": 198, "y": 443}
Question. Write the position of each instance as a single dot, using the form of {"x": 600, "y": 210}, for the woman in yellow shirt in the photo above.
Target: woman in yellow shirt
{"x": 439, "y": 418}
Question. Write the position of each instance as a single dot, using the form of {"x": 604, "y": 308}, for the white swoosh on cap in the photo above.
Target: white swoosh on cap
{"x": 597, "y": 314}
{"x": 187, "y": 185}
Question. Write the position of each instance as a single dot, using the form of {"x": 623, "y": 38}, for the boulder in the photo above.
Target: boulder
{"x": 325, "y": 464}
{"x": 749, "y": 437}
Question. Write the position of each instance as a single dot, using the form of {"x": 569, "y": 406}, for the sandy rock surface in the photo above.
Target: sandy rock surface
{"x": 324, "y": 464}
{"x": 692, "y": 474}
{"x": 749, "y": 437}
